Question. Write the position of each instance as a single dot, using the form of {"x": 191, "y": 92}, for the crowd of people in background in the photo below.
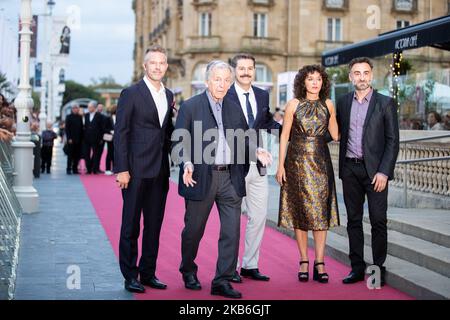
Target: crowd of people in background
{"x": 433, "y": 121}
{"x": 86, "y": 136}
{"x": 7, "y": 119}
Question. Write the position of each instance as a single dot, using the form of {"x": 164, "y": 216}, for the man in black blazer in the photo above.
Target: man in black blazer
{"x": 255, "y": 107}
{"x": 141, "y": 161}
{"x": 92, "y": 140}
{"x": 213, "y": 169}
{"x": 74, "y": 136}
{"x": 101, "y": 146}
{"x": 368, "y": 150}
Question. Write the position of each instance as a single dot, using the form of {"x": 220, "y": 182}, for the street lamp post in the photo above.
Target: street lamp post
{"x": 23, "y": 147}
{"x": 46, "y": 77}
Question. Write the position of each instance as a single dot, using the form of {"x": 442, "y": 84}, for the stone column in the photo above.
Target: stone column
{"x": 23, "y": 147}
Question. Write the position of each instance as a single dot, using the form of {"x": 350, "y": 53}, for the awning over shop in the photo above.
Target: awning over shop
{"x": 435, "y": 33}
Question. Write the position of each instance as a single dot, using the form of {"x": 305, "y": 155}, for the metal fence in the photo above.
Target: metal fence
{"x": 10, "y": 218}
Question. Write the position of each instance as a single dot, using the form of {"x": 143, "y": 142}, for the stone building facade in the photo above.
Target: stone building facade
{"x": 283, "y": 35}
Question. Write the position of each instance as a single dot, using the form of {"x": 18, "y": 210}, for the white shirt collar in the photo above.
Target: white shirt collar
{"x": 241, "y": 91}
{"x": 152, "y": 87}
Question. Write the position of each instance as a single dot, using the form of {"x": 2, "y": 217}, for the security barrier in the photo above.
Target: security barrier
{"x": 10, "y": 218}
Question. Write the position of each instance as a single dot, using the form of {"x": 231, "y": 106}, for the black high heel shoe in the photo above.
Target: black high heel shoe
{"x": 303, "y": 276}
{"x": 320, "y": 277}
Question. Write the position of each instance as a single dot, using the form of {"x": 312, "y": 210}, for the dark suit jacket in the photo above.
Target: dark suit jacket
{"x": 109, "y": 124}
{"x": 264, "y": 118}
{"x": 198, "y": 109}
{"x": 74, "y": 127}
{"x": 93, "y": 130}
{"x": 380, "y": 133}
{"x": 141, "y": 145}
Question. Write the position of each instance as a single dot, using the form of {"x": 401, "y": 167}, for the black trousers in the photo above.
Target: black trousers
{"x": 98, "y": 156}
{"x": 109, "y": 156}
{"x": 146, "y": 196}
{"x": 46, "y": 156}
{"x": 356, "y": 185}
{"x": 73, "y": 156}
{"x": 91, "y": 156}
{"x": 197, "y": 212}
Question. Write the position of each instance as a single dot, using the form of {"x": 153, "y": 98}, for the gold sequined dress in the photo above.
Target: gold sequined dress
{"x": 308, "y": 197}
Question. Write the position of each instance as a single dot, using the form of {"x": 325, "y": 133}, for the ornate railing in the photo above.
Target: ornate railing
{"x": 430, "y": 176}
{"x": 10, "y": 214}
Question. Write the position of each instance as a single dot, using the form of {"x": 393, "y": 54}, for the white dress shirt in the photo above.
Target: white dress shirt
{"x": 91, "y": 116}
{"x": 159, "y": 96}
{"x": 243, "y": 100}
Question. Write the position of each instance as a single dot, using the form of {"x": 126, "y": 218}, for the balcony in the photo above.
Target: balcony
{"x": 335, "y": 5}
{"x": 261, "y": 45}
{"x": 324, "y": 45}
{"x": 261, "y": 3}
{"x": 203, "y": 44}
{"x": 404, "y": 6}
{"x": 204, "y": 3}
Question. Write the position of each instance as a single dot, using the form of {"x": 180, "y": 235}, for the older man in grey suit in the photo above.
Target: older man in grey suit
{"x": 219, "y": 180}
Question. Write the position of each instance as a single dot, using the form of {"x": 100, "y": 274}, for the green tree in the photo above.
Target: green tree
{"x": 76, "y": 90}
{"x": 340, "y": 74}
{"x": 105, "y": 83}
{"x": 36, "y": 96}
{"x": 5, "y": 85}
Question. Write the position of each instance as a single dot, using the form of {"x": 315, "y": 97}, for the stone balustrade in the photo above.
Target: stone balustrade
{"x": 430, "y": 177}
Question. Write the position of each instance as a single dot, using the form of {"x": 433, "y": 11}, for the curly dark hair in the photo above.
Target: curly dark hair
{"x": 299, "y": 82}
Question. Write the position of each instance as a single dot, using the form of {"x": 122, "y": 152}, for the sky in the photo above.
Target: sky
{"x": 103, "y": 44}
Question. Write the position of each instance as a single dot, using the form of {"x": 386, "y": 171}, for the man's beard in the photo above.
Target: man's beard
{"x": 362, "y": 85}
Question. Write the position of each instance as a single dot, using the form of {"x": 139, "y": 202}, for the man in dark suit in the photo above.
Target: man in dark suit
{"x": 141, "y": 161}
{"x": 368, "y": 150}
{"x": 74, "y": 136}
{"x": 104, "y": 124}
{"x": 92, "y": 140}
{"x": 219, "y": 178}
{"x": 254, "y": 103}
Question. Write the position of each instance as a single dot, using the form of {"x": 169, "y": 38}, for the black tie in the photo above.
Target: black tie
{"x": 251, "y": 117}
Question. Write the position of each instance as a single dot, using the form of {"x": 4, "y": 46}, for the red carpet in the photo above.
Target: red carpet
{"x": 278, "y": 258}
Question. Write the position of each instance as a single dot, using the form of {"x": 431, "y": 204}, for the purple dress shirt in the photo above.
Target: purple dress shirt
{"x": 357, "y": 118}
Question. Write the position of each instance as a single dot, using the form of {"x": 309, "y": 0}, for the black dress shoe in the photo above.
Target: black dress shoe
{"x": 191, "y": 282}
{"x": 236, "y": 278}
{"x": 153, "y": 282}
{"x": 134, "y": 285}
{"x": 353, "y": 277}
{"x": 254, "y": 274}
{"x": 226, "y": 290}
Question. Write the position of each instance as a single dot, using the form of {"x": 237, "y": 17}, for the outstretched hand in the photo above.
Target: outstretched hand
{"x": 187, "y": 176}
{"x": 264, "y": 157}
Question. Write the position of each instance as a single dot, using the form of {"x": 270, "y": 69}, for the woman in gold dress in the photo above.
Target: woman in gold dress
{"x": 305, "y": 173}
